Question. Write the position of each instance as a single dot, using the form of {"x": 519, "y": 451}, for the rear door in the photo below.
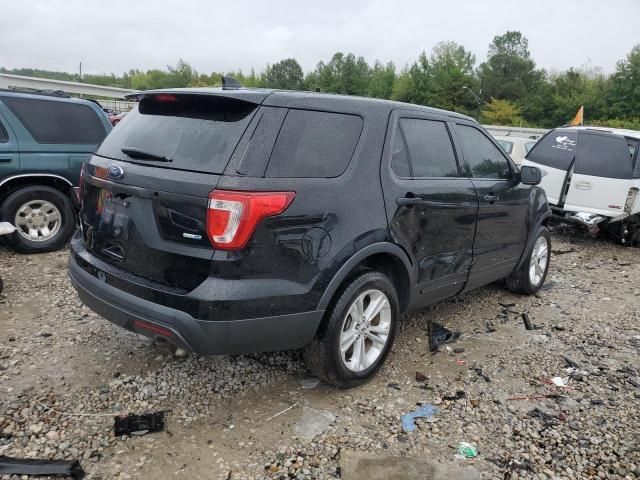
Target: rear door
{"x": 603, "y": 174}
{"x": 502, "y": 229}
{"x": 554, "y": 155}
{"x": 9, "y": 156}
{"x": 430, "y": 207}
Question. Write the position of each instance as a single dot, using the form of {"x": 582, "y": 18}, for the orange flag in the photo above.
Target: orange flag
{"x": 579, "y": 118}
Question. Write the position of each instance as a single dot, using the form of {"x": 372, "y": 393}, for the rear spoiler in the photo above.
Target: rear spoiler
{"x": 231, "y": 88}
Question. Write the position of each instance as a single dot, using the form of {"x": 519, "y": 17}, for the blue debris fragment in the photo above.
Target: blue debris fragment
{"x": 425, "y": 411}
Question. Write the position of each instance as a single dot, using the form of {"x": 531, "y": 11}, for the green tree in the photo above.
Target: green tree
{"x": 343, "y": 74}
{"x": 573, "y": 89}
{"x": 382, "y": 80}
{"x": 623, "y": 97}
{"x": 501, "y": 112}
{"x": 509, "y": 72}
{"x": 451, "y": 69}
{"x": 421, "y": 81}
{"x": 286, "y": 74}
{"x": 402, "y": 87}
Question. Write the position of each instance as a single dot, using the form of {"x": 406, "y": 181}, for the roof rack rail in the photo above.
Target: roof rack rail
{"x": 230, "y": 83}
{"x": 34, "y": 91}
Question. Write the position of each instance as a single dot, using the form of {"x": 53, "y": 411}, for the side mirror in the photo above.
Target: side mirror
{"x": 530, "y": 175}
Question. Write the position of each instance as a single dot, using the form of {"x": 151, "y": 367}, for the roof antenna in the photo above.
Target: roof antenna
{"x": 229, "y": 83}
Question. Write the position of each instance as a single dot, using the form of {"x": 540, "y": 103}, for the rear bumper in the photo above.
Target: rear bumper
{"x": 207, "y": 337}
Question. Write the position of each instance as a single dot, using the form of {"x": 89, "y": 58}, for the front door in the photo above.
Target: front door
{"x": 431, "y": 207}
{"x": 501, "y": 231}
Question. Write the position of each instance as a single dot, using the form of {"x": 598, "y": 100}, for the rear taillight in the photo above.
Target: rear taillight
{"x": 632, "y": 197}
{"x": 232, "y": 217}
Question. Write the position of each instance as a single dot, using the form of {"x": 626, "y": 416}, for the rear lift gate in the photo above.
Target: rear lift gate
{"x": 150, "y": 233}
{"x": 145, "y": 192}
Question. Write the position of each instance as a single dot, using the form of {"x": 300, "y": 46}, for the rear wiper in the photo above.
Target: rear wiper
{"x": 139, "y": 154}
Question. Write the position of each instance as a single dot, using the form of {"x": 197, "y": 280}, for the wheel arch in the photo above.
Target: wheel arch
{"x": 13, "y": 183}
{"x": 384, "y": 257}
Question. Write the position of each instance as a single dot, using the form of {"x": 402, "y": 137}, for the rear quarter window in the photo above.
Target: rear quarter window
{"x": 314, "y": 144}
{"x": 556, "y": 149}
{"x": 55, "y": 122}
{"x": 603, "y": 155}
{"x": 4, "y": 136}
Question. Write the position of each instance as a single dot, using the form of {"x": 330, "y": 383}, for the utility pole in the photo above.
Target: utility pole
{"x": 477, "y": 98}
{"x": 80, "y": 76}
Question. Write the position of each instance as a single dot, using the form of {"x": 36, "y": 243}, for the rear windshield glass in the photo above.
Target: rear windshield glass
{"x": 603, "y": 155}
{"x": 314, "y": 144}
{"x": 186, "y": 132}
{"x": 556, "y": 149}
{"x": 58, "y": 122}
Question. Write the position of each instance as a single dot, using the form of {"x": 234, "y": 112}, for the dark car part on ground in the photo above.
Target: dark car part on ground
{"x": 235, "y": 221}
{"x": 33, "y": 466}
{"x": 133, "y": 424}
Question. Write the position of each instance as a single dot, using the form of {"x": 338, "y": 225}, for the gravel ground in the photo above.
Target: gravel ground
{"x": 64, "y": 372}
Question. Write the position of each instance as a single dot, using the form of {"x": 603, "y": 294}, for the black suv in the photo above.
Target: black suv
{"x": 233, "y": 220}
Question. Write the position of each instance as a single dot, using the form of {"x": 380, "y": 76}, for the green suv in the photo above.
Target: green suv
{"x": 44, "y": 140}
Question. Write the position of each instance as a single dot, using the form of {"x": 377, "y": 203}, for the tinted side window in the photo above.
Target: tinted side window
{"x": 314, "y": 144}
{"x": 4, "y": 136}
{"x": 603, "y": 156}
{"x": 429, "y": 147}
{"x": 57, "y": 122}
{"x": 483, "y": 158}
{"x": 556, "y": 149}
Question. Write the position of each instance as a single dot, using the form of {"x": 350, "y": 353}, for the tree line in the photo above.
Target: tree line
{"x": 507, "y": 89}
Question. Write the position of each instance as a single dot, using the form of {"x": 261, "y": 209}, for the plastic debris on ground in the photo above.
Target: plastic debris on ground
{"x": 424, "y": 411}
{"x": 34, "y": 466}
{"x": 466, "y": 450}
{"x": 420, "y": 377}
{"x": 138, "y": 424}
{"x": 309, "y": 383}
{"x": 559, "y": 381}
{"x": 439, "y": 335}
{"x": 527, "y": 322}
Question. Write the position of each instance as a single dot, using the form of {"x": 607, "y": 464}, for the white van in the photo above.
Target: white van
{"x": 591, "y": 176}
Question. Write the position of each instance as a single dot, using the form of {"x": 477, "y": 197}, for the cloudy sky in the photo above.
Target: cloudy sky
{"x": 118, "y": 35}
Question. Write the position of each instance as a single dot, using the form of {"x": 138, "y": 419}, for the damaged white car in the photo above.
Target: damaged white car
{"x": 591, "y": 176}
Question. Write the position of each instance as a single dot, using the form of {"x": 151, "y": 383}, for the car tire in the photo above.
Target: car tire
{"x": 52, "y": 208}
{"x": 347, "y": 321}
{"x": 529, "y": 278}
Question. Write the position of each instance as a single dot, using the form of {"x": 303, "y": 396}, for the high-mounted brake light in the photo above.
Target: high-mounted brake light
{"x": 165, "y": 98}
{"x": 232, "y": 216}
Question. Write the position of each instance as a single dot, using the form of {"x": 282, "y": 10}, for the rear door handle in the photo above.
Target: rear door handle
{"x": 490, "y": 198}
{"x": 5, "y": 159}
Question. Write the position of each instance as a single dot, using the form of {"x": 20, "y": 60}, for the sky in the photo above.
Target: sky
{"x": 115, "y": 36}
